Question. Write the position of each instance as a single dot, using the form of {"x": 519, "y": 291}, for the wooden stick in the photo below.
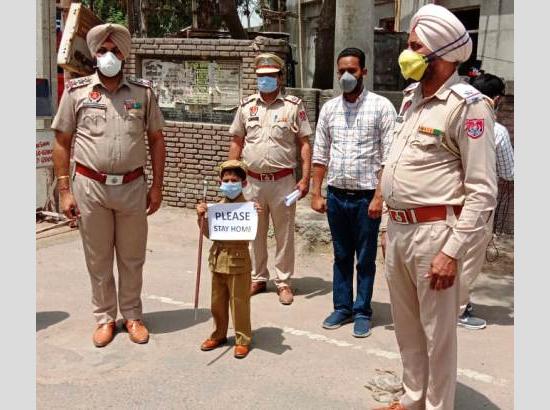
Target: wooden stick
{"x": 199, "y": 256}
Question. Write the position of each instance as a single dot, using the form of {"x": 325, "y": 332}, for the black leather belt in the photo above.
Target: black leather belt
{"x": 351, "y": 193}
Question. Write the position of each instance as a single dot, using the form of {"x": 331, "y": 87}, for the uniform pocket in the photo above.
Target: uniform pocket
{"x": 428, "y": 147}
{"x": 94, "y": 120}
{"x": 253, "y": 131}
{"x": 239, "y": 260}
{"x": 135, "y": 123}
{"x": 281, "y": 131}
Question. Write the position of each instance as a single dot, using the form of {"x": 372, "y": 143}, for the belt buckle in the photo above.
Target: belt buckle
{"x": 267, "y": 177}
{"x": 114, "y": 179}
{"x": 399, "y": 216}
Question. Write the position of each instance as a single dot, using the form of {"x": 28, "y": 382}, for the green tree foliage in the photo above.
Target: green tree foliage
{"x": 164, "y": 17}
{"x": 110, "y": 11}
{"x": 167, "y": 17}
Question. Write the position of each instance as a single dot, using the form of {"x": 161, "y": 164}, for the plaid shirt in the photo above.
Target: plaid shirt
{"x": 504, "y": 153}
{"x": 354, "y": 139}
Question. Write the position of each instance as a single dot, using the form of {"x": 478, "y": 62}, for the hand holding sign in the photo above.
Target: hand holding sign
{"x": 232, "y": 221}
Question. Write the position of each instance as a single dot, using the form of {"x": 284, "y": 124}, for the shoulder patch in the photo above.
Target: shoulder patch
{"x": 248, "y": 99}
{"x": 140, "y": 81}
{"x": 410, "y": 87}
{"x": 293, "y": 99}
{"x": 467, "y": 92}
{"x": 77, "y": 82}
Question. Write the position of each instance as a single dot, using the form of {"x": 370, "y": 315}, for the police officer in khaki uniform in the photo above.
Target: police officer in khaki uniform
{"x": 439, "y": 185}
{"x": 267, "y": 130}
{"x": 108, "y": 114}
{"x": 230, "y": 264}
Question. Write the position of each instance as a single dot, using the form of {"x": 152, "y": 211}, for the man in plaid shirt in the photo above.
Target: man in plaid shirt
{"x": 354, "y": 132}
{"x": 493, "y": 87}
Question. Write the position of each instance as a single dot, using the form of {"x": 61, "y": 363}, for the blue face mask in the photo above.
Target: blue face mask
{"x": 267, "y": 84}
{"x": 231, "y": 189}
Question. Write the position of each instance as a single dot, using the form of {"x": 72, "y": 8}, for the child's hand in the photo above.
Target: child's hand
{"x": 201, "y": 209}
{"x": 258, "y": 207}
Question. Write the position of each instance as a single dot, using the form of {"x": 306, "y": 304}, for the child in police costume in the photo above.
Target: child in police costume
{"x": 231, "y": 267}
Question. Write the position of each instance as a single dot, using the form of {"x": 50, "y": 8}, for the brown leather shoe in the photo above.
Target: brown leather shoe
{"x": 394, "y": 406}
{"x": 241, "y": 351}
{"x": 286, "y": 297}
{"x": 104, "y": 334}
{"x": 137, "y": 331}
{"x": 257, "y": 287}
{"x": 210, "y": 344}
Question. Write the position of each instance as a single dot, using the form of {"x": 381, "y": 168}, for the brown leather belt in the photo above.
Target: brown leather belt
{"x": 422, "y": 214}
{"x": 109, "y": 179}
{"x": 273, "y": 176}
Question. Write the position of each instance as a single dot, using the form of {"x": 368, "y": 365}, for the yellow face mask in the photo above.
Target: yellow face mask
{"x": 412, "y": 64}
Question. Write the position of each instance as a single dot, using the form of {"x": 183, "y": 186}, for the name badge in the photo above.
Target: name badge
{"x": 91, "y": 104}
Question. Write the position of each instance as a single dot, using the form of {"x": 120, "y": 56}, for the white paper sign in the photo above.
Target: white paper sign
{"x": 234, "y": 222}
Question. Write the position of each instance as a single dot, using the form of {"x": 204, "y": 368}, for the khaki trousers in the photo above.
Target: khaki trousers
{"x": 271, "y": 194}
{"x": 472, "y": 264}
{"x": 113, "y": 219}
{"x": 425, "y": 319}
{"x": 231, "y": 291}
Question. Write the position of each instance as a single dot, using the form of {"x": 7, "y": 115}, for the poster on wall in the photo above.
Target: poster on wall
{"x": 194, "y": 83}
{"x": 44, "y": 148}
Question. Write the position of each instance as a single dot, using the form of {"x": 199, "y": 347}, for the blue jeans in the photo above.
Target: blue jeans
{"x": 353, "y": 234}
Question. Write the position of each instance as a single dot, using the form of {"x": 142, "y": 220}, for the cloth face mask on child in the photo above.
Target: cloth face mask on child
{"x": 231, "y": 189}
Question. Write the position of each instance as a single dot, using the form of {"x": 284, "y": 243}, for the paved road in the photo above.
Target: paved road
{"x": 294, "y": 363}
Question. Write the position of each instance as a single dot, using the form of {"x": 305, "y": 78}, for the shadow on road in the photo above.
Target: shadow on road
{"x": 381, "y": 314}
{"x": 311, "y": 286}
{"x": 269, "y": 339}
{"x": 494, "y": 315}
{"x": 47, "y": 319}
{"x": 470, "y": 399}
{"x": 168, "y": 321}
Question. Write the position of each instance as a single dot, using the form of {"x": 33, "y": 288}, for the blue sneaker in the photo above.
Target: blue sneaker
{"x": 361, "y": 326}
{"x": 337, "y": 319}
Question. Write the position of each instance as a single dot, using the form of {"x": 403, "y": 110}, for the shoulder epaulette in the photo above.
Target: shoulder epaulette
{"x": 293, "y": 99}
{"x": 248, "y": 99}
{"x": 77, "y": 82}
{"x": 467, "y": 92}
{"x": 410, "y": 87}
{"x": 140, "y": 81}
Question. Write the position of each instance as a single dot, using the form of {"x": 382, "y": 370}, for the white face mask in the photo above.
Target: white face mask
{"x": 108, "y": 64}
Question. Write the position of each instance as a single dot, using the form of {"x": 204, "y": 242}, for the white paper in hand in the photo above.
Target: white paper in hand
{"x": 292, "y": 197}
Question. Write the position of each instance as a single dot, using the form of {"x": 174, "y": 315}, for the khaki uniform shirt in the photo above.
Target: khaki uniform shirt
{"x": 108, "y": 127}
{"x": 230, "y": 257}
{"x": 443, "y": 153}
{"x": 270, "y": 131}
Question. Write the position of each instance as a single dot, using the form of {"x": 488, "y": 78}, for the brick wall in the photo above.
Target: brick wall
{"x": 194, "y": 149}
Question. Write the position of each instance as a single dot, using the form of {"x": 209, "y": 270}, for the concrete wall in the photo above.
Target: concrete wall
{"x": 45, "y": 68}
{"x": 496, "y": 37}
{"x": 309, "y": 14}
{"x": 354, "y": 27}
{"x": 194, "y": 149}
{"x": 496, "y": 29}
